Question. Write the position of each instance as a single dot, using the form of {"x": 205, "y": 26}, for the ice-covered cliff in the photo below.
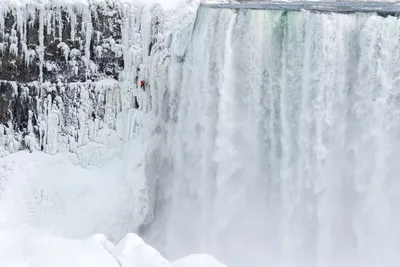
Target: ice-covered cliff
{"x": 70, "y": 72}
{"x": 70, "y": 76}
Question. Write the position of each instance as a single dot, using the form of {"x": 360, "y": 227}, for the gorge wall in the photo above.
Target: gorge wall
{"x": 68, "y": 69}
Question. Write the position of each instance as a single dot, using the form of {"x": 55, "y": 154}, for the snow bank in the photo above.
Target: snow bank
{"x": 30, "y": 248}
{"x": 98, "y": 189}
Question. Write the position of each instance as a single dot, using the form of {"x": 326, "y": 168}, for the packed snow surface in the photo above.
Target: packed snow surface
{"x": 75, "y": 194}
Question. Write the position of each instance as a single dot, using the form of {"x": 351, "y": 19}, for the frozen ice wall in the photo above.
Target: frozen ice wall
{"x": 70, "y": 75}
{"x": 70, "y": 72}
{"x": 282, "y": 140}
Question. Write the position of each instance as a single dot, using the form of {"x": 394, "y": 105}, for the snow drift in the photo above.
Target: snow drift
{"x": 29, "y": 248}
{"x": 73, "y": 92}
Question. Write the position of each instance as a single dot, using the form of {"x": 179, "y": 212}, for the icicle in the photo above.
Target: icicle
{"x": 99, "y": 51}
{"x": 93, "y": 67}
{"x": 13, "y": 39}
{"x": 75, "y": 68}
{"x": 32, "y": 18}
{"x": 41, "y": 42}
{"x": 24, "y": 29}
{"x": 3, "y": 13}
{"x": 65, "y": 50}
{"x": 15, "y": 88}
{"x": 60, "y": 23}
{"x": 49, "y": 16}
{"x": 72, "y": 17}
{"x": 29, "y": 56}
{"x": 21, "y": 22}
{"x": 89, "y": 30}
{"x": 30, "y": 139}
{"x": 98, "y": 36}
{"x": 14, "y": 50}
{"x": 24, "y": 47}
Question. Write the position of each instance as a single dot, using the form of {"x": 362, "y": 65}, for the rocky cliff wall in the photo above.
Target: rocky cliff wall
{"x": 68, "y": 69}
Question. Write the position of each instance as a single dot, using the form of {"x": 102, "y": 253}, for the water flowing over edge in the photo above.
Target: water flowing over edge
{"x": 282, "y": 138}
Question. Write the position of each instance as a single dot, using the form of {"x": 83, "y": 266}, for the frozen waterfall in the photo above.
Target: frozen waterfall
{"x": 263, "y": 138}
{"x": 280, "y": 140}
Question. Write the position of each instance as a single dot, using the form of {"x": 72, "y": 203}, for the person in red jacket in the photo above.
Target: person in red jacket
{"x": 142, "y": 85}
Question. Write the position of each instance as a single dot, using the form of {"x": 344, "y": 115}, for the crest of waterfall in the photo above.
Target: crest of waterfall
{"x": 280, "y": 140}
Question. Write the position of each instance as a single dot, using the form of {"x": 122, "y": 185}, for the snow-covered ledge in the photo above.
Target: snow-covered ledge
{"x": 70, "y": 71}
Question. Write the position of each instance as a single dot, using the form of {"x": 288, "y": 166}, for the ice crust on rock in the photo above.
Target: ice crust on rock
{"x": 70, "y": 69}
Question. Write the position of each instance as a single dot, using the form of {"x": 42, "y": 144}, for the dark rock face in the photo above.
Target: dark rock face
{"x": 65, "y": 60}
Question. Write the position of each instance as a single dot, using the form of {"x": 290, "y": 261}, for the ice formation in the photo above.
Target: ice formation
{"x": 69, "y": 87}
{"x": 28, "y": 248}
{"x": 78, "y": 67}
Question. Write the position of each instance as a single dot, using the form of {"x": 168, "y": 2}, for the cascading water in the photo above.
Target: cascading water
{"x": 282, "y": 140}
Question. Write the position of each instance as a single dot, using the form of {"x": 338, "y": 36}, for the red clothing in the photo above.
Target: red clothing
{"x": 142, "y": 83}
